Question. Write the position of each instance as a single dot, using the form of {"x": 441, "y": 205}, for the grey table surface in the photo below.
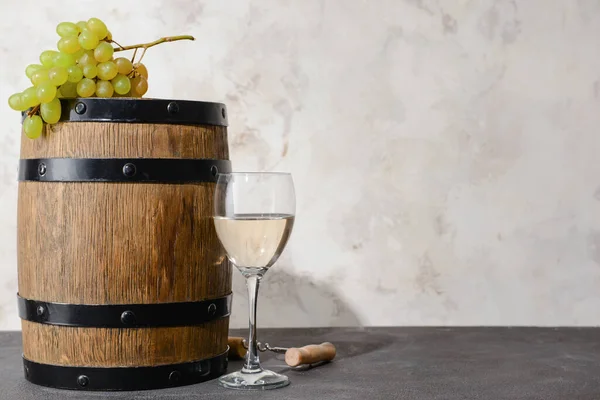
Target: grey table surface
{"x": 390, "y": 363}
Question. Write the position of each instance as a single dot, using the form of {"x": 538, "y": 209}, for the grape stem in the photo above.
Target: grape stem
{"x": 33, "y": 111}
{"x": 158, "y": 41}
{"x": 112, "y": 41}
{"x": 133, "y": 56}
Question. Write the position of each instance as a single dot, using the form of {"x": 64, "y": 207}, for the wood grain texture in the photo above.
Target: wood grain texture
{"x": 112, "y": 347}
{"x": 121, "y": 243}
{"x": 106, "y": 243}
{"x": 106, "y": 140}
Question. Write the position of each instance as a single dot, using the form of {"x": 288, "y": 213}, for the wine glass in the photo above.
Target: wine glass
{"x": 254, "y": 215}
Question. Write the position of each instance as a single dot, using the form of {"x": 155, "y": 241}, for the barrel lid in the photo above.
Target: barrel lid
{"x": 144, "y": 110}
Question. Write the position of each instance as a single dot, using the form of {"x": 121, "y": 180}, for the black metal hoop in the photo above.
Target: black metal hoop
{"x": 159, "y": 111}
{"x": 125, "y": 378}
{"x": 125, "y": 315}
{"x": 148, "y": 170}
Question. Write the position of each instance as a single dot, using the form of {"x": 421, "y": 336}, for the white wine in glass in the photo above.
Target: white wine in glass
{"x": 254, "y": 242}
{"x": 254, "y": 216}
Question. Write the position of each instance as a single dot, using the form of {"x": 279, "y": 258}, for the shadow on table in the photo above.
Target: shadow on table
{"x": 290, "y": 301}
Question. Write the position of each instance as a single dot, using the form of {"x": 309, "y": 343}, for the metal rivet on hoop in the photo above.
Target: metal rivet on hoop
{"x": 42, "y": 169}
{"x": 212, "y": 309}
{"x": 40, "y": 310}
{"x": 128, "y": 318}
{"x": 83, "y": 380}
{"x": 223, "y": 112}
{"x": 214, "y": 170}
{"x": 174, "y": 376}
{"x": 173, "y": 108}
{"x": 129, "y": 170}
{"x": 80, "y": 108}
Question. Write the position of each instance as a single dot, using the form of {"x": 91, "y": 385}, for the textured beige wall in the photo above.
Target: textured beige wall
{"x": 445, "y": 152}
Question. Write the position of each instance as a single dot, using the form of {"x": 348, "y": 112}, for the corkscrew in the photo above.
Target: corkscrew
{"x": 310, "y": 354}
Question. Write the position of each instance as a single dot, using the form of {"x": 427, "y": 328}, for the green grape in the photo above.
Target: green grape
{"x": 121, "y": 83}
{"x": 58, "y": 75}
{"x": 86, "y": 87}
{"x": 81, "y": 25}
{"x": 139, "y": 86}
{"x": 16, "y": 102}
{"x": 134, "y": 82}
{"x": 51, "y": 111}
{"x": 98, "y": 27}
{"x": 88, "y": 58}
{"x": 109, "y": 36}
{"x": 69, "y": 45}
{"x": 66, "y": 29}
{"x": 64, "y": 60}
{"x": 132, "y": 92}
{"x": 77, "y": 55}
{"x": 40, "y": 76}
{"x": 107, "y": 70}
{"x": 31, "y": 68}
{"x": 75, "y": 74}
{"x": 88, "y": 40}
{"x": 46, "y": 92}
{"x": 104, "y": 89}
{"x": 90, "y": 71}
{"x": 47, "y": 58}
{"x": 141, "y": 69}
{"x": 30, "y": 97}
{"x": 103, "y": 52}
{"x": 68, "y": 90}
{"x": 124, "y": 66}
{"x": 33, "y": 126}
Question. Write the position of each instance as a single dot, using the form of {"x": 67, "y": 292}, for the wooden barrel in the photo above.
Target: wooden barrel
{"x": 123, "y": 284}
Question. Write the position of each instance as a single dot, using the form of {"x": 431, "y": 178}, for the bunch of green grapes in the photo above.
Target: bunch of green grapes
{"x": 83, "y": 66}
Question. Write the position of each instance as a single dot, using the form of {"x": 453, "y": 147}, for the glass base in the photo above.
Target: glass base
{"x": 260, "y": 380}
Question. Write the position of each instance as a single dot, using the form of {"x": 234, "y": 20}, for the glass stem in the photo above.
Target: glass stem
{"x": 252, "y": 362}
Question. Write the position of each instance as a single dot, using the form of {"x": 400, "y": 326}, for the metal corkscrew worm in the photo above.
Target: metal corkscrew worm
{"x": 266, "y": 347}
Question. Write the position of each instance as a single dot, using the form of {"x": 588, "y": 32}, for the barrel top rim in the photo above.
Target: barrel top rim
{"x": 142, "y": 110}
{"x": 135, "y": 99}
